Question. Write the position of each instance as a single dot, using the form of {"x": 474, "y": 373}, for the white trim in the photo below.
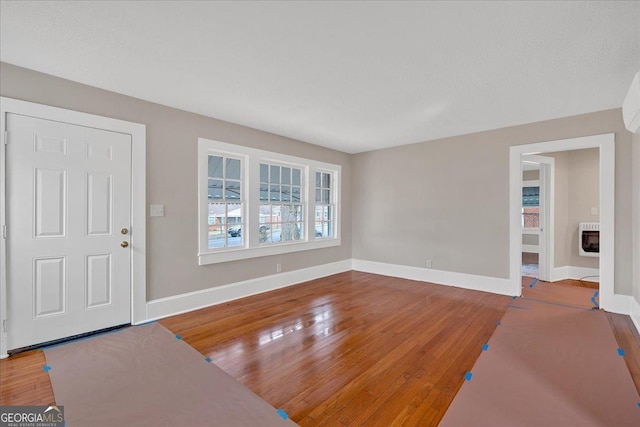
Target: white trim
{"x": 533, "y": 231}
{"x": 170, "y": 306}
{"x": 448, "y": 278}
{"x": 138, "y": 198}
{"x": 546, "y": 168}
{"x": 575, "y": 273}
{"x": 620, "y": 304}
{"x": 635, "y": 313}
{"x": 252, "y": 158}
{"x": 606, "y": 145}
{"x": 533, "y": 249}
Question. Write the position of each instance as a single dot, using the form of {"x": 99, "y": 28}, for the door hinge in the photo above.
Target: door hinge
{"x": 6, "y": 137}
{"x": 4, "y": 325}
{"x": 4, "y": 231}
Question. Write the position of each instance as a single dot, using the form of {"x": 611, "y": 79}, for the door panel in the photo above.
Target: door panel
{"x": 68, "y": 191}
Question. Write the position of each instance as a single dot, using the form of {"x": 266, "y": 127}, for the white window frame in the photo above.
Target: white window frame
{"x": 252, "y": 158}
{"x": 332, "y": 203}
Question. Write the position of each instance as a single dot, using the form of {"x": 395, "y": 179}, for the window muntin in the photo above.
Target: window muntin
{"x": 324, "y": 206}
{"x": 281, "y": 204}
{"x": 224, "y": 202}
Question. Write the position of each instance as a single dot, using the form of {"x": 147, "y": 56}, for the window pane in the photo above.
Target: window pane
{"x": 233, "y": 169}
{"x": 318, "y": 197}
{"x": 288, "y": 232}
{"x": 264, "y": 192}
{"x": 275, "y": 174}
{"x": 286, "y": 193}
{"x": 264, "y": 233}
{"x": 297, "y": 212}
{"x": 327, "y": 229}
{"x": 319, "y": 213}
{"x": 299, "y": 235}
{"x": 295, "y": 194}
{"x": 274, "y": 194}
{"x": 264, "y": 172}
{"x": 530, "y": 196}
{"x": 232, "y": 190}
{"x": 276, "y": 233}
{"x": 217, "y": 225}
{"x": 327, "y": 212}
{"x": 296, "y": 177}
{"x": 215, "y": 167}
{"x": 325, "y": 196}
{"x": 215, "y": 189}
{"x": 531, "y": 217}
{"x": 318, "y": 179}
{"x": 326, "y": 180}
{"x": 286, "y": 175}
{"x": 276, "y": 213}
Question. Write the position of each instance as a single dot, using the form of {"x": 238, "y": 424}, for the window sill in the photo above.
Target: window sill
{"x": 244, "y": 253}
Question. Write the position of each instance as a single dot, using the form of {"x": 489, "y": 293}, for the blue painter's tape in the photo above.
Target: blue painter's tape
{"x": 498, "y": 323}
{"x": 638, "y": 404}
{"x": 514, "y": 297}
{"x": 620, "y": 352}
{"x": 282, "y": 414}
{"x": 178, "y": 337}
{"x": 468, "y": 376}
{"x": 208, "y": 359}
{"x": 533, "y": 283}
{"x": 485, "y": 347}
{"x": 46, "y": 368}
{"x": 593, "y": 299}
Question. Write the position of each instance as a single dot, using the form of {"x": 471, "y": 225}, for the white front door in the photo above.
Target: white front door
{"x": 68, "y": 190}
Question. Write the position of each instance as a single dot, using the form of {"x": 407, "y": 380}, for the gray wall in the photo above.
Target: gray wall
{"x": 448, "y": 199}
{"x": 584, "y": 193}
{"x": 577, "y": 190}
{"x": 636, "y": 217}
{"x": 172, "y": 135}
{"x": 405, "y": 205}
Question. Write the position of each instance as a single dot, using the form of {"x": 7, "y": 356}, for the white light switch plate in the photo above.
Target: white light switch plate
{"x": 156, "y": 210}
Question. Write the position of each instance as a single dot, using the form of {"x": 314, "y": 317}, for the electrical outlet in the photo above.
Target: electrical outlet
{"x": 428, "y": 263}
{"x": 278, "y": 268}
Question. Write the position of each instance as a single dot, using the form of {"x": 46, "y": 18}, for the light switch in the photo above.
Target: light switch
{"x": 594, "y": 211}
{"x": 156, "y": 210}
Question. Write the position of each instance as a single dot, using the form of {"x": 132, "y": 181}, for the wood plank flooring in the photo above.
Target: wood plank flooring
{"x": 350, "y": 349}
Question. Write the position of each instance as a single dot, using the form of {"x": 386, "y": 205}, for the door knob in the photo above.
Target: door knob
{"x": 124, "y": 231}
{"x": 124, "y": 244}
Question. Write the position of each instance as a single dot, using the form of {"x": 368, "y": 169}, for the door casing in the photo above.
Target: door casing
{"x": 138, "y": 196}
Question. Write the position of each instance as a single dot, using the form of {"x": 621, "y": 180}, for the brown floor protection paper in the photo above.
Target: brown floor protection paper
{"x": 548, "y": 365}
{"x": 144, "y": 376}
{"x": 558, "y": 293}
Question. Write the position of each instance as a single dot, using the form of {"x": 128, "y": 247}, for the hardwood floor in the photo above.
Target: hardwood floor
{"x": 350, "y": 349}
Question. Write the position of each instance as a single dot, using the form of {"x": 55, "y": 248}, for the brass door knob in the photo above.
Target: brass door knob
{"x": 124, "y": 244}
{"x": 124, "y": 231}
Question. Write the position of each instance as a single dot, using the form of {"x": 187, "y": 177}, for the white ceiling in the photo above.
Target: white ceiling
{"x": 354, "y": 76}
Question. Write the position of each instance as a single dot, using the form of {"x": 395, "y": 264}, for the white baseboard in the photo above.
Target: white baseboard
{"x": 461, "y": 280}
{"x": 635, "y": 313}
{"x": 575, "y": 273}
{"x": 177, "y": 304}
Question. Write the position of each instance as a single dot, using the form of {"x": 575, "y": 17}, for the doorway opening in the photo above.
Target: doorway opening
{"x": 605, "y": 207}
